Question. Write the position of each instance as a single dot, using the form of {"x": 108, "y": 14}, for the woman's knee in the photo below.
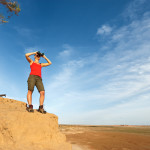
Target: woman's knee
{"x": 30, "y": 92}
{"x": 42, "y": 93}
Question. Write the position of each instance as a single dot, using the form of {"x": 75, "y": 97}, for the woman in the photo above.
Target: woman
{"x": 35, "y": 79}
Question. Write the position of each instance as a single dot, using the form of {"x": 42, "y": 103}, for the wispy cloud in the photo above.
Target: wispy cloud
{"x": 135, "y": 9}
{"x": 104, "y": 30}
{"x": 67, "y": 52}
{"x": 26, "y": 33}
{"x": 101, "y": 85}
{"x": 23, "y": 31}
{"x": 107, "y": 88}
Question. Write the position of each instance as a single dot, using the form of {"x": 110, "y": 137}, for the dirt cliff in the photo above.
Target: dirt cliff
{"x": 21, "y": 130}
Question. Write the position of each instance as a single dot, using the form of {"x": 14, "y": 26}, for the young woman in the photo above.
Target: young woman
{"x": 35, "y": 79}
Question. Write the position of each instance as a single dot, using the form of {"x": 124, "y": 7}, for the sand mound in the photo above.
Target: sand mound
{"x": 21, "y": 130}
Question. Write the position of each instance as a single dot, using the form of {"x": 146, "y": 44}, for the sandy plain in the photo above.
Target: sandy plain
{"x": 121, "y": 137}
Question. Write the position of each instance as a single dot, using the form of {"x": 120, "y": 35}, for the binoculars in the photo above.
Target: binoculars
{"x": 40, "y": 54}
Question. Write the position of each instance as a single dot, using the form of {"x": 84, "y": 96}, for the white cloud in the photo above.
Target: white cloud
{"x": 64, "y": 53}
{"x": 135, "y": 9}
{"x": 104, "y": 30}
{"x": 68, "y": 50}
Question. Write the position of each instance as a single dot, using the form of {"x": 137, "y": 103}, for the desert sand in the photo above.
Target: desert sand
{"x": 21, "y": 130}
{"x": 107, "y": 137}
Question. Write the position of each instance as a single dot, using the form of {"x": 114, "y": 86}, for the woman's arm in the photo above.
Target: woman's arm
{"x": 46, "y": 64}
{"x": 28, "y": 58}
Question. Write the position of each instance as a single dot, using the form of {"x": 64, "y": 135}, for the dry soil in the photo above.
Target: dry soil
{"x": 107, "y": 137}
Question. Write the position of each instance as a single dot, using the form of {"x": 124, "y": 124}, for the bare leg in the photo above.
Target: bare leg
{"x": 29, "y": 97}
{"x": 42, "y": 96}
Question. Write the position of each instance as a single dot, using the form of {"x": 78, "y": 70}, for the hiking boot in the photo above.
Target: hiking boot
{"x": 30, "y": 108}
{"x": 41, "y": 109}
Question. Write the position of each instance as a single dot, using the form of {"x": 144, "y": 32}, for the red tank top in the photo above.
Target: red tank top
{"x": 36, "y": 69}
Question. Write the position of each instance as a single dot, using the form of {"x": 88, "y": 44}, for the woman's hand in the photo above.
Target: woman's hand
{"x": 48, "y": 62}
{"x": 44, "y": 56}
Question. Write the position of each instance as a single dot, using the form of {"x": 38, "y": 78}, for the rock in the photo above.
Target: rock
{"x": 21, "y": 130}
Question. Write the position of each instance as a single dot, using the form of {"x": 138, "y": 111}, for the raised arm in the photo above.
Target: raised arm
{"x": 48, "y": 62}
{"x": 28, "y": 58}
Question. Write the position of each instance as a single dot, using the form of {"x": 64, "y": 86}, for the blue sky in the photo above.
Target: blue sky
{"x": 100, "y": 53}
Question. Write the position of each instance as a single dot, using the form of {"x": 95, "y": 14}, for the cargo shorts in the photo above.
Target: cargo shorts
{"x": 34, "y": 80}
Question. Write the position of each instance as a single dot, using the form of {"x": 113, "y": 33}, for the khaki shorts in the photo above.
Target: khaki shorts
{"x": 34, "y": 80}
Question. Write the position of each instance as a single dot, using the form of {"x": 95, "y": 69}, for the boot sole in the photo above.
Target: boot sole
{"x": 40, "y": 111}
{"x": 30, "y": 110}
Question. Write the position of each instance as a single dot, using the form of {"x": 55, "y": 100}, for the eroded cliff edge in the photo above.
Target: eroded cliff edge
{"x": 21, "y": 130}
